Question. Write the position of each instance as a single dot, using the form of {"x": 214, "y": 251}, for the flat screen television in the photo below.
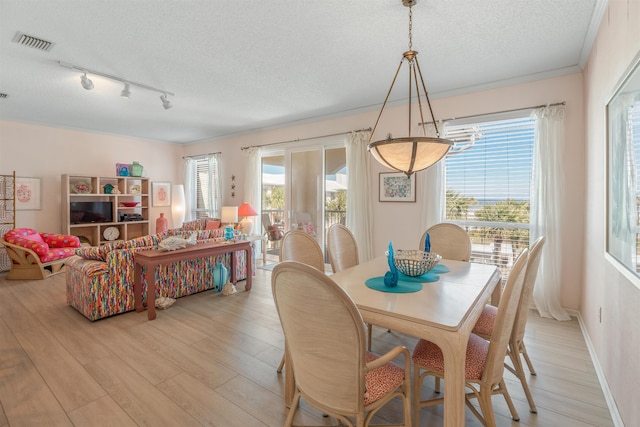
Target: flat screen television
{"x": 88, "y": 212}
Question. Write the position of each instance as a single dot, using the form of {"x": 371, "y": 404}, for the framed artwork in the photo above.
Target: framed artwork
{"x": 28, "y": 194}
{"x": 161, "y": 194}
{"x": 135, "y": 189}
{"x": 397, "y": 187}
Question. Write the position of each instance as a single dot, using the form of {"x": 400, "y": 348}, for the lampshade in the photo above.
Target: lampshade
{"x": 229, "y": 214}
{"x": 178, "y": 205}
{"x": 246, "y": 225}
{"x": 410, "y": 154}
{"x": 246, "y": 209}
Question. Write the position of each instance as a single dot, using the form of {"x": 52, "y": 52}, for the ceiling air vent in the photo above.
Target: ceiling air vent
{"x": 31, "y": 41}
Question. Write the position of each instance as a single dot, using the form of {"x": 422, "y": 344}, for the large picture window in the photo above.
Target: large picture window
{"x": 488, "y": 187}
{"x": 623, "y": 173}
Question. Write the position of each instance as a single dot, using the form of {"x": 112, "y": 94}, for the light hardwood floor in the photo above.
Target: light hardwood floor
{"x": 211, "y": 360}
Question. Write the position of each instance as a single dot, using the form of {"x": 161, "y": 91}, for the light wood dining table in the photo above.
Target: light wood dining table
{"x": 443, "y": 312}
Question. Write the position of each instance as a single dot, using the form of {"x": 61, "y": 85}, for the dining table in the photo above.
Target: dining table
{"x": 443, "y": 311}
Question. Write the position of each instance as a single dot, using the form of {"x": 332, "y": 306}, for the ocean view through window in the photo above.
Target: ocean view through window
{"x": 488, "y": 187}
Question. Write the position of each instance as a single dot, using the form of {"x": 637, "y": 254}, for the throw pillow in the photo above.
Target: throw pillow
{"x": 213, "y": 224}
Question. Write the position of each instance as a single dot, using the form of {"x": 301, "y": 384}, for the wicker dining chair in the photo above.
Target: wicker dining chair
{"x": 343, "y": 253}
{"x": 342, "y": 248}
{"x": 299, "y": 246}
{"x": 484, "y": 327}
{"x": 326, "y": 341}
{"x": 484, "y": 360}
{"x": 448, "y": 240}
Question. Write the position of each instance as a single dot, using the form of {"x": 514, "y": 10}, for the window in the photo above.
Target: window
{"x": 205, "y": 193}
{"x": 488, "y": 187}
{"x": 623, "y": 175}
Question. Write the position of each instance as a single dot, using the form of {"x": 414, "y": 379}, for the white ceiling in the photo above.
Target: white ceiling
{"x": 236, "y": 67}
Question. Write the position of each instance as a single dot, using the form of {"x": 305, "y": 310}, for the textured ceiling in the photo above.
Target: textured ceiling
{"x": 236, "y": 67}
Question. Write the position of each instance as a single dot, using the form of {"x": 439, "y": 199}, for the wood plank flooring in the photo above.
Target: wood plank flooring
{"x": 210, "y": 360}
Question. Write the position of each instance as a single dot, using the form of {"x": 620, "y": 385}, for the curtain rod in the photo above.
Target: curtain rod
{"x": 304, "y": 139}
{"x": 498, "y": 112}
{"x": 201, "y": 155}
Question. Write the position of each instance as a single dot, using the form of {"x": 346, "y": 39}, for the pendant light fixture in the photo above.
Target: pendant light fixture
{"x": 411, "y": 153}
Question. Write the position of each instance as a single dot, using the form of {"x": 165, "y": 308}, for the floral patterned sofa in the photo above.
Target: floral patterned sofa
{"x": 100, "y": 279}
{"x": 37, "y": 255}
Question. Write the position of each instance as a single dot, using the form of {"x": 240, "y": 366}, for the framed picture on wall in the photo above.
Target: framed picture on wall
{"x": 161, "y": 193}
{"x": 28, "y": 194}
{"x": 397, "y": 187}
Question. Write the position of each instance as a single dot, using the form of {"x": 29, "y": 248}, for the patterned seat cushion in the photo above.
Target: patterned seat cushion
{"x": 429, "y": 356}
{"x": 381, "y": 381}
{"x": 484, "y": 325}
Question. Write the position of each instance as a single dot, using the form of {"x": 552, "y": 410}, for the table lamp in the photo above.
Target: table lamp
{"x": 246, "y": 225}
{"x": 229, "y": 215}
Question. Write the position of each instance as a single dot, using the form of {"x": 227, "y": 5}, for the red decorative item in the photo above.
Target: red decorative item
{"x": 161, "y": 223}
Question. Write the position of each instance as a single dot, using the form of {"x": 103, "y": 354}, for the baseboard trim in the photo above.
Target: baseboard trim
{"x": 608, "y": 397}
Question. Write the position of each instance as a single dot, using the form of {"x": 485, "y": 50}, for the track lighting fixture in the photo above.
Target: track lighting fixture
{"x": 126, "y": 92}
{"x": 86, "y": 82}
{"x": 165, "y": 102}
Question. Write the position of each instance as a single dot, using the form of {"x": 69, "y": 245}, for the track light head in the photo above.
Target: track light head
{"x": 126, "y": 93}
{"x": 165, "y": 102}
{"x": 86, "y": 82}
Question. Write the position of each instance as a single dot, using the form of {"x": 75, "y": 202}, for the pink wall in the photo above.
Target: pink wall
{"x": 399, "y": 222}
{"x": 616, "y": 338}
{"x": 48, "y": 152}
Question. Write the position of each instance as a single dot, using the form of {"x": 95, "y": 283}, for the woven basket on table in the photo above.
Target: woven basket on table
{"x": 413, "y": 262}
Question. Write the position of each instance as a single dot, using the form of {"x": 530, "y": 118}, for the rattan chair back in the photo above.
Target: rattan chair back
{"x": 448, "y": 240}
{"x": 299, "y": 246}
{"x": 504, "y": 323}
{"x": 325, "y": 337}
{"x": 342, "y": 248}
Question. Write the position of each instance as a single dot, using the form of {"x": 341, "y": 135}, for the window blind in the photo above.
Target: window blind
{"x": 206, "y": 190}
{"x": 488, "y": 187}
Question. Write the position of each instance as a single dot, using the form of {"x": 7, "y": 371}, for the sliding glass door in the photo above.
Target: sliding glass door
{"x": 303, "y": 189}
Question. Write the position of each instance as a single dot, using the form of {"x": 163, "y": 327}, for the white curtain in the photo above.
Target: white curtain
{"x": 189, "y": 188}
{"x": 430, "y": 185}
{"x": 359, "y": 219}
{"x": 546, "y": 208}
{"x": 215, "y": 185}
{"x": 253, "y": 185}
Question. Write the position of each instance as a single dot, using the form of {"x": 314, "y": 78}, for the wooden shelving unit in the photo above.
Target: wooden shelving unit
{"x": 131, "y": 189}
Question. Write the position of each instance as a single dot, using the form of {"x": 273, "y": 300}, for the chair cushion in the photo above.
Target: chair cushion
{"x": 58, "y": 253}
{"x": 428, "y": 355}
{"x": 274, "y": 232}
{"x": 28, "y": 238}
{"x": 381, "y": 381}
{"x": 484, "y": 325}
{"x": 61, "y": 240}
{"x": 307, "y": 227}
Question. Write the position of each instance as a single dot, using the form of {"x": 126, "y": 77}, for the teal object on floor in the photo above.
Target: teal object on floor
{"x": 219, "y": 276}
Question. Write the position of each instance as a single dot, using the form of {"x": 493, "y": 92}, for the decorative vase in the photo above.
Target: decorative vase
{"x": 161, "y": 223}
{"x": 136, "y": 169}
{"x": 229, "y": 233}
{"x": 220, "y": 275}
